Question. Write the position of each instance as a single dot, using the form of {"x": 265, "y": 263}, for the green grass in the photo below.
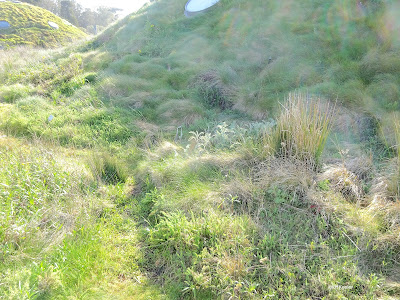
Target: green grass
{"x": 284, "y": 240}
{"x": 29, "y": 27}
{"x": 357, "y": 69}
{"x": 191, "y": 158}
{"x": 58, "y": 237}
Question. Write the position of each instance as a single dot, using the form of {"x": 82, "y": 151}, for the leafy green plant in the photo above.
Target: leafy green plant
{"x": 324, "y": 185}
{"x": 228, "y": 136}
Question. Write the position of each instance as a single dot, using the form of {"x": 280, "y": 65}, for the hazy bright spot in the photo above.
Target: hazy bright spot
{"x": 198, "y": 5}
{"x": 127, "y": 6}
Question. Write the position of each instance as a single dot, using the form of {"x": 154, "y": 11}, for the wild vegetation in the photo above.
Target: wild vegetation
{"x": 29, "y": 26}
{"x": 251, "y": 152}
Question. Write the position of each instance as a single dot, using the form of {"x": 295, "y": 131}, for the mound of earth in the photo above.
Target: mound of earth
{"x": 25, "y": 24}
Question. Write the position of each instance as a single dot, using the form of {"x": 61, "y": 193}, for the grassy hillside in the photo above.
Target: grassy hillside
{"x": 29, "y": 26}
{"x": 257, "y": 52}
{"x": 251, "y": 152}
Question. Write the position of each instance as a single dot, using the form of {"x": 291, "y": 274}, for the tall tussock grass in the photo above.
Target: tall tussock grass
{"x": 302, "y": 129}
{"x": 387, "y": 184}
{"x": 397, "y": 172}
{"x": 107, "y": 169}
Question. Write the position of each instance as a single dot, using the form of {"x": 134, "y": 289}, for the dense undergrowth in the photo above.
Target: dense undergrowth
{"x": 248, "y": 153}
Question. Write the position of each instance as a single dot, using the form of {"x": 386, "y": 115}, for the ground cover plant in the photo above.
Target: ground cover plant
{"x": 29, "y": 26}
{"x": 251, "y": 152}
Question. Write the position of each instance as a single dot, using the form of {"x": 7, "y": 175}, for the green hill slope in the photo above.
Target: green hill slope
{"x": 251, "y": 152}
{"x": 253, "y": 53}
{"x": 29, "y": 26}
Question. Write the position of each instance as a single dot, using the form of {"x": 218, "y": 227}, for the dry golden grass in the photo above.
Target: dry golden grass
{"x": 387, "y": 183}
{"x": 302, "y": 129}
{"x": 294, "y": 175}
{"x": 343, "y": 181}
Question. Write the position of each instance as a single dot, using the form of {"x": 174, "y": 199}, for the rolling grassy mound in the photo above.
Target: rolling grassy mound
{"x": 29, "y": 26}
{"x": 251, "y": 152}
{"x": 249, "y": 55}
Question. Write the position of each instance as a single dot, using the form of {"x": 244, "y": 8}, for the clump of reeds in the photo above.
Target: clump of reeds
{"x": 302, "y": 129}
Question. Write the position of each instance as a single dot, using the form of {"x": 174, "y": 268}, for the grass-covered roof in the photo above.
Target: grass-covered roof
{"x": 29, "y": 26}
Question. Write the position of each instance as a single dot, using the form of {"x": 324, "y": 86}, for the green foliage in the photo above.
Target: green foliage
{"x": 108, "y": 169}
{"x": 29, "y": 27}
{"x": 221, "y": 217}
{"x": 80, "y": 124}
{"x": 384, "y": 90}
{"x": 201, "y": 255}
{"x": 376, "y": 63}
{"x": 212, "y": 91}
{"x": 324, "y": 185}
{"x": 50, "y": 75}
{"x": 224, "y": 137}
{"x": 91, "y": 77}
{"x": 11, "y": 93}
{"x": 29, "y": 182}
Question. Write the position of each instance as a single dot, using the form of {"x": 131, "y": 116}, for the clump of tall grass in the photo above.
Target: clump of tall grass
{"x": 386, "y": 185}
{"x": 213, "y": 91}
{"x": 397, "y": 171}
{"x": 107, "y": 169}
{"x": 302, "y": 129}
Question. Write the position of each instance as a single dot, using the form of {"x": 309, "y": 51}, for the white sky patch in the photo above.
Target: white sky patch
{"x": 128, "y": 6}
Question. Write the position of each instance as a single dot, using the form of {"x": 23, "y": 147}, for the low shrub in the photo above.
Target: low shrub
{"x": 213, "y": 91}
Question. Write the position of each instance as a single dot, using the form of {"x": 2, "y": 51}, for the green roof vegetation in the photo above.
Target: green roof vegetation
{"x": 250, "y": 152}
{"x": 29, "y": 26}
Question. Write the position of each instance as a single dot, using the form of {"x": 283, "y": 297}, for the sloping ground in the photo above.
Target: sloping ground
{"x": 168, "y": 158}
{"x": 251, "y": 54}
{"x": 29, "y": 26}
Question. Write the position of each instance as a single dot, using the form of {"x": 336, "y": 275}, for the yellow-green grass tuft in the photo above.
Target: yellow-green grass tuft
{"x": 302, "y": 129}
